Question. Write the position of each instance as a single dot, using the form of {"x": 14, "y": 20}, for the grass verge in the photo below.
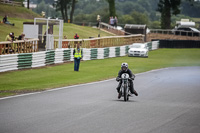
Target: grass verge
{"x": 23, "y": 81}
{"x": 68, "y": 29}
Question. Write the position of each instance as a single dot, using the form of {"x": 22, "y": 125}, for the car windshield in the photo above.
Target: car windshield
{"x": 136, "y": 46}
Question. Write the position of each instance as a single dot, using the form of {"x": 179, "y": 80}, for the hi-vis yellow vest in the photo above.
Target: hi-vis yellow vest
{"x": 77, "y": 54}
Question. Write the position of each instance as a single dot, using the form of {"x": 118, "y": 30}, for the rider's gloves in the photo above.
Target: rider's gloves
{"x": 117, "y": 79}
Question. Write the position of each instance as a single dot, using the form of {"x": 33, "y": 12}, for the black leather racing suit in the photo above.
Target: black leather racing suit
{"x": 131, "y": 75}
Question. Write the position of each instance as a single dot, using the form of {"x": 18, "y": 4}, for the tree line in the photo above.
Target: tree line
{"x": 154, "y": 13}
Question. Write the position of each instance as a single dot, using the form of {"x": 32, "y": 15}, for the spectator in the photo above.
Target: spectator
{"x": 115, "y": 22}
{"x": 65, "y": 37}
{"x": 5, "y": 21}
{"x": 13, "y": 36}
{"x": 112, "y": 21}
{"x": 9, "y": 37}
{"x": 76, "y": 36}
{"x": 77, "y": 57}
{"x": 21, "y": 37}
{"x": 98, "y": 20}
{"x": 13, "y": 45}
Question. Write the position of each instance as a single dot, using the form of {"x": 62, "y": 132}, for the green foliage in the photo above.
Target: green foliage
{"x": 127, "y": 19}
{"x": 155, "y": 25}
{"x": 91, "y": 8}
{"x": 63, "y": 75}
{"x": 46, "y": 1}
{"x": 41, "y": 7}
{"x": 140, "y": 18}
{"x": 66, "y": 7}
{"x": 168, "y": 8}
{"x": 191, "y": 9}
{"x": 49, "y": 11}
{"x": 129, "y": 6}
{"x": 82, "y": 17}
{"x": 134, "y": 18}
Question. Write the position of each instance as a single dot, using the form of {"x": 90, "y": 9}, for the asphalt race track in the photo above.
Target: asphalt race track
{"x": 168, "y": 102}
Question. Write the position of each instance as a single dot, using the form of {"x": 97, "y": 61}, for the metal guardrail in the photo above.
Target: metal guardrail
{"x": 20, "y": 46}
{"x": 101, "y": 42}
{"x": 112, "y": 29}
{"x": 175, "y": 32}
{"x": 13, "y": 3}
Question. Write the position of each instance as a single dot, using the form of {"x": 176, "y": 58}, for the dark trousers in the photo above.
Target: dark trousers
{"x": 131, "y": 86}
{"x": 76, "y": 64}
{"x": 97, "y": 24}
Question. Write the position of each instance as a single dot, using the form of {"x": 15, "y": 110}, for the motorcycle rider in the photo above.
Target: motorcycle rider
{"x": 124, "y": 69}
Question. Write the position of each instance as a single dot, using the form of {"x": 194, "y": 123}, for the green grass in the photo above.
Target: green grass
{"x": 17, "y": 12}
{"x": 18, "y": 15}
{"x": 16, "y": 82}
{"x": 68, "y": 29}
{"x": 84, "y": 32}
{"x": 17, "y": 29}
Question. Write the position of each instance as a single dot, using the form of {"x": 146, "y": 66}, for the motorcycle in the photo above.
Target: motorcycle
{"x": 125, "y": 87}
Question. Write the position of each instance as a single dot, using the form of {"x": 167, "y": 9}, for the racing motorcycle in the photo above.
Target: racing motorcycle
{"x": 125, "y": 87}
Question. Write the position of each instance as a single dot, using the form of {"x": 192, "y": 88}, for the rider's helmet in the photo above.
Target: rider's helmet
{"x": 124, "y": 67}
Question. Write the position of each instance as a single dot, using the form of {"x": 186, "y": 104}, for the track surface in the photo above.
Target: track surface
{"x": 168, "y": 102}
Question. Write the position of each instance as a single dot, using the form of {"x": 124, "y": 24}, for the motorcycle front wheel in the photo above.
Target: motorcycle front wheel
{"x": 126, "y": 98}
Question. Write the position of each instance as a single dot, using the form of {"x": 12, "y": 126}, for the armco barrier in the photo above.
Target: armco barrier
{"x": 39, "y": 59}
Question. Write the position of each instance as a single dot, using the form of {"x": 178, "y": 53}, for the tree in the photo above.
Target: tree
{"x": 72, "y": 10}
{"x": 127, "y": 19}
{"x": 140, "y": 18}
{"x": 112, "y": 9}
{"x": 28, "y": 4}
{"x": 41, "y": 7}
{"x": 63, "y": 6}
{"x": 168, "y": 8}
{"x": 191, "y": 8}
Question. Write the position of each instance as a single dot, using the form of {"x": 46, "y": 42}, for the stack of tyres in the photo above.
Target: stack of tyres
{"x": 94, "y": 54}
{"x": 24, "y": 60}
{"x": 106, "y": 52}
{"x": 117, "y": 51}
{"x": 66, "y": 55}
{"x": 50, "y": 57}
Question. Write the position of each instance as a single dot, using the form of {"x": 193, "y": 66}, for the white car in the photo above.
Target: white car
{"x": 138, "y": 49}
